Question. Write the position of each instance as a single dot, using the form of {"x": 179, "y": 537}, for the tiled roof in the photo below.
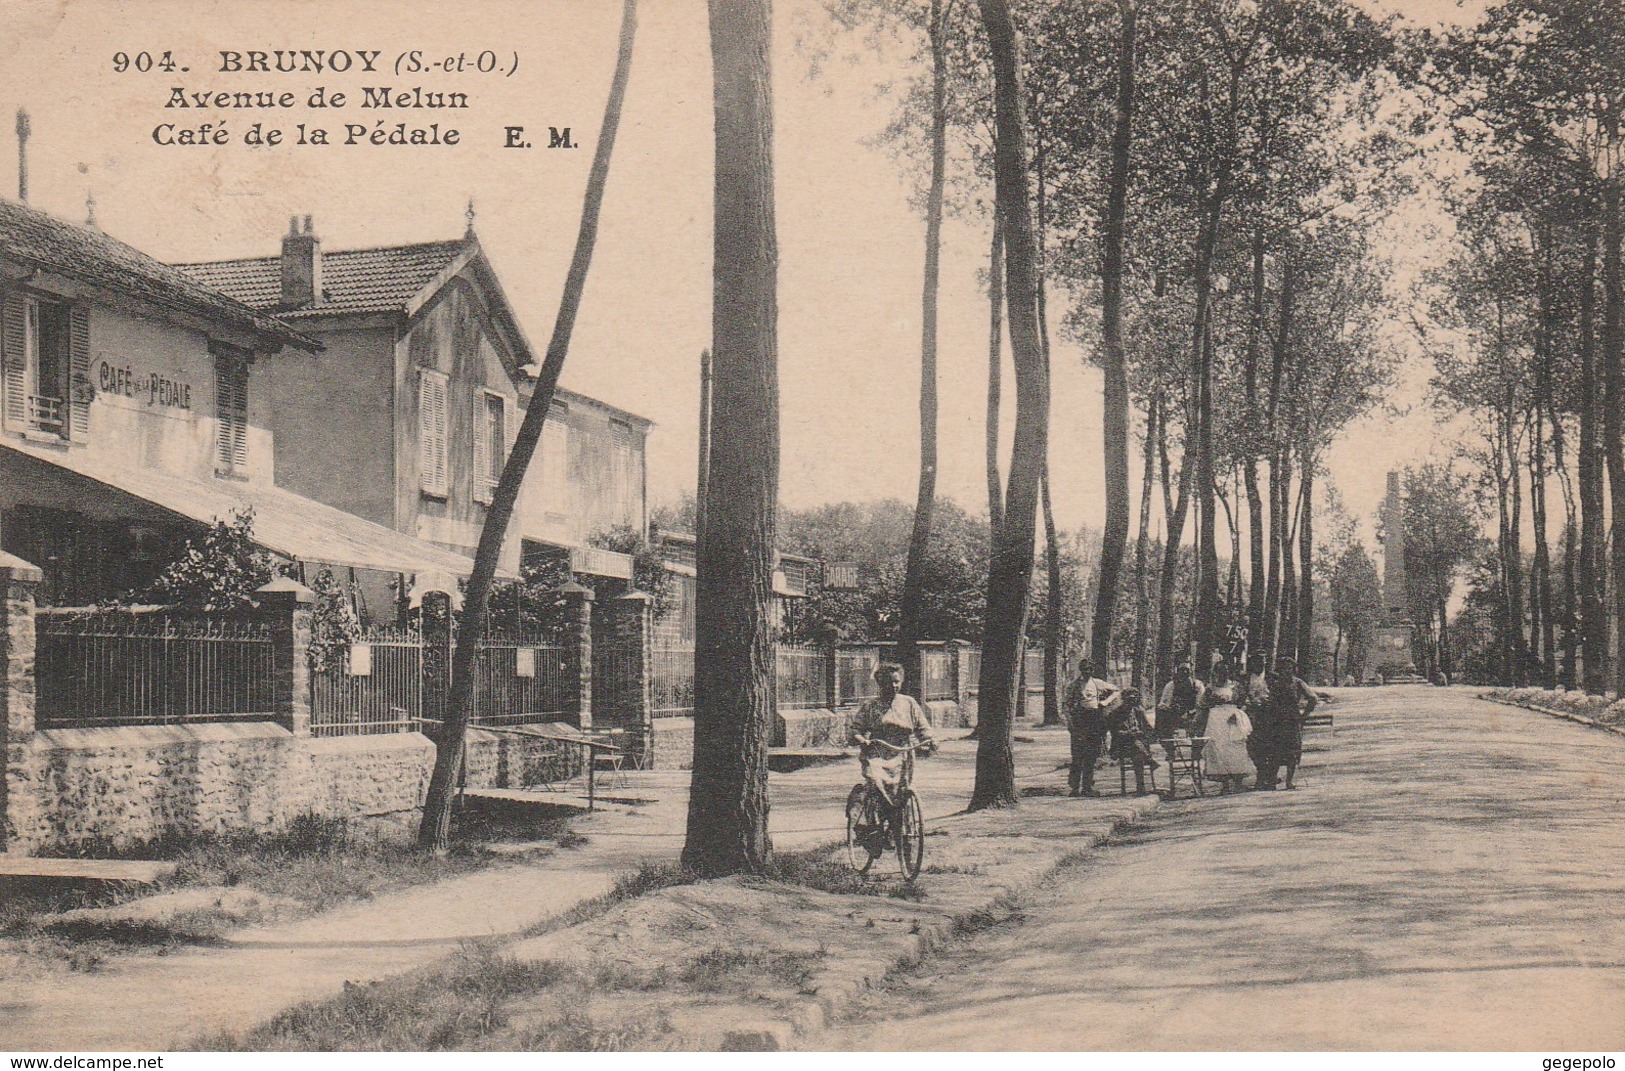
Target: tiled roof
{"x": 43, "y": 241}
{"x": 357, "y": 280}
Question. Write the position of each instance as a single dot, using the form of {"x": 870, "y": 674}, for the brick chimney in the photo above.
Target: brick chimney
{"x": 301, "y": 266}
{"x": 23, "y": 130}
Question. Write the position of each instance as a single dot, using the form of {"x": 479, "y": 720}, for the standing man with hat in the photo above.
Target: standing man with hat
{"x": 1086, "y": 722}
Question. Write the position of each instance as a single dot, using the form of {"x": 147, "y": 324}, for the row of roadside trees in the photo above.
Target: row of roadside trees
{"x": 1526, "y": 324}
{"x": 1192, "y": 183}
{"x": 1205, "y": 179}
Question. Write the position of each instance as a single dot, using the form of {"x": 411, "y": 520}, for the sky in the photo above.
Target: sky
{"x": 851, "y": 246}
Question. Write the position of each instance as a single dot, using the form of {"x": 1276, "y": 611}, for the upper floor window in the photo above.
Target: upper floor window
{"x": 490, "y": 443}
{"x": 556, "y": 463}
{"x": 39, "y": 364}
{"x": 433, "y": 468}
{"x": 231, "y": 414}
{"x": 623, "y": 472}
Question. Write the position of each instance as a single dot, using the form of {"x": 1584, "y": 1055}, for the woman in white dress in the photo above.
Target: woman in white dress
{"x": 1226, "y": 730}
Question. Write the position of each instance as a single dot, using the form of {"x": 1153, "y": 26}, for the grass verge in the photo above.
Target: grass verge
{"x": 456, "y": 1005}
{"x": 311, "y": 865}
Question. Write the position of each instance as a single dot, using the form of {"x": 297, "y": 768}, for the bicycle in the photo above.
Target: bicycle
{"x": 874, "y": 823}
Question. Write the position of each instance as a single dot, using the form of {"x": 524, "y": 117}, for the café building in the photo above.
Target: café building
{"x": 138, "y": 405}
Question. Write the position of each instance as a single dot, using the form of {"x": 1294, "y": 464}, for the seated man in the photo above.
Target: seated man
{"x": 1180, "y": 700}
{"x": 1131, "y": 735}
{"x": 891, "y": 718}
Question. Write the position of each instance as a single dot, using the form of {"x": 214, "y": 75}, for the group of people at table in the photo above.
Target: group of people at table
{"x": 1244, "y": 724}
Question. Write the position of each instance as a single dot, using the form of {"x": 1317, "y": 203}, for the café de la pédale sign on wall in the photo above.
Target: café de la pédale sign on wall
{"x": 148, "y": 388}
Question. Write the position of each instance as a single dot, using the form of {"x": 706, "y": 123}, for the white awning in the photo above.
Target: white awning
{"x": 285, "y": 523}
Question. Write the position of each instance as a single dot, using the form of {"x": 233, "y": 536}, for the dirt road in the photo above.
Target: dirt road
{"x": 1447, "y": 876}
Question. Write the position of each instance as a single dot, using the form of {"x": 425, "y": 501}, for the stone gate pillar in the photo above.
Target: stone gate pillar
{"x": 578, "y": 600}
{"x": 19, "y": 787}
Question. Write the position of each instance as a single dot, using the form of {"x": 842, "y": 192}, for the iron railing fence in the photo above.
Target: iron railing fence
{"x": 855, "y": 675}
{"x": 521, "y": 681}
{"x": 805, "y": 677}
{"x": 386, "y": 698}
{"x": 121, "y": 667}
{"x": 936, "y": 674}
{"x": 671, "y": 683}
{"x": 393, "y": 681}
{"x": 801, "y": 677}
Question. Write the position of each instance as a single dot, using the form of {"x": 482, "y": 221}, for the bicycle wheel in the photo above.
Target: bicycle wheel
{"x": 860, "y": 822}
{"x": 910, "y": 835}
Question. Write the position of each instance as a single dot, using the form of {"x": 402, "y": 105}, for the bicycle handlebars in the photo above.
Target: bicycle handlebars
{"x": 867, "y": 741}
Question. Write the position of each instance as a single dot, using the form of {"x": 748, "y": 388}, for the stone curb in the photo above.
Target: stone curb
{"x": 778, "y": 1035}
{"x": 1578, "y": 719}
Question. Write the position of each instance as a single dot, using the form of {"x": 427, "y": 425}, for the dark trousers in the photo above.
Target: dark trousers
{"x": 1086, "y": 748}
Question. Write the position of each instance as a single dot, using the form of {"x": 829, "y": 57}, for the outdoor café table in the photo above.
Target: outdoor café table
{"x": 1185, "y": 760}
{"x": 564, "y": 733}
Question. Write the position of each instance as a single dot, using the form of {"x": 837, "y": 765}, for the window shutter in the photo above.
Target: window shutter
{"x": 239, "y": 427}
{"x": 79, "y": 386}
{"x": 432, "y": 431}
{"x": 482, "y": 447}
{"x": 231, "y": 412}
{"x": 555, "y": 467}
{"x": 621, "y": 443}
{"x": 12, "y": 347}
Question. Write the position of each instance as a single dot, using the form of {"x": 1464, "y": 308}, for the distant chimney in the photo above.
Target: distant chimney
{"x": 23, "y": 130}
{"x": 301, "y": 266}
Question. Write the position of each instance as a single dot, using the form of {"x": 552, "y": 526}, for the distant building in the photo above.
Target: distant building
{"x": 1393, "y": 655}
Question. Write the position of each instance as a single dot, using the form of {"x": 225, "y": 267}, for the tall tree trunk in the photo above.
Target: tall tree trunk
{"x": 1009, "y": 588}
{"x": 1306, "y": 572}
{"x": 1142, "y": 552}
{"x": 1541, "y": 595}
{"x": 1204, "y": 624}
{"x": 913, "y": 600}
{"x": 1545, "y": 333}
{"x": 1592, "y": 567}
{"x": 1168, "y": 580}
{"x": 1280, "y": 474}
{"x": 435, "y": 830}
{"x": 733, "y": 663}
{"x": 1052, "y": 635}
{"x": 995, "y": 370}
{"x": 700, "y": 489}
{"x": 1613, "y": 354}
{"x": 1507, "y": 609}
{"x": 1249, "y": 468}
{"x": 1052, "y": 545}
{"x": 1115, "y": 422}
{"x": 1510, "y": 494}
{"x": 1232, "y": 587}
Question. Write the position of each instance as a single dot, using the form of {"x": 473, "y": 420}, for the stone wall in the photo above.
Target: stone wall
{"x": 127, "y": 785}
{"x": 379, "y": 780}
{"x": 673, "y": 743}
{"x": 123, "y": 786}
{"x": 816, "y": 728}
